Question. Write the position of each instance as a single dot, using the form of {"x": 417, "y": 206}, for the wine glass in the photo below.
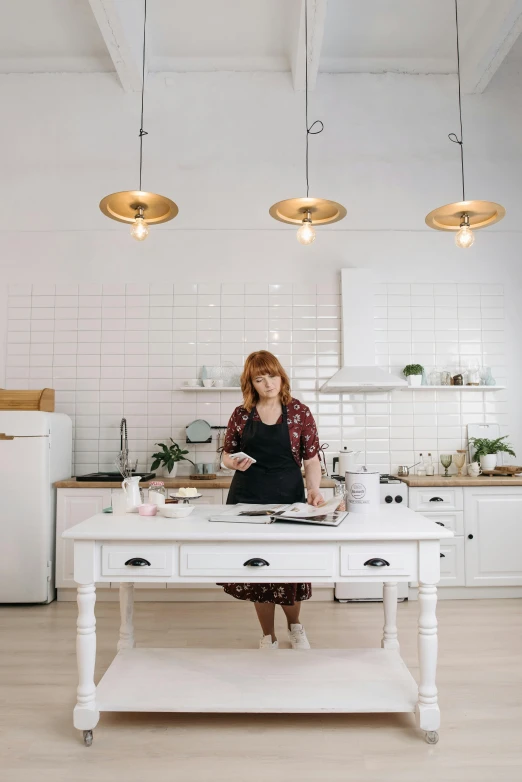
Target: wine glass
{"x": 445, "y": 460}
{"x": 459, "y": 460}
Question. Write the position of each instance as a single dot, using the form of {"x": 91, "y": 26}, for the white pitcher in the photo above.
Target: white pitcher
{"x": 131, "y": 488}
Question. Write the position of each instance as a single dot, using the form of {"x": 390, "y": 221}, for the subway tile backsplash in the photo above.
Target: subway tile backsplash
{"x": 114, "y": 349}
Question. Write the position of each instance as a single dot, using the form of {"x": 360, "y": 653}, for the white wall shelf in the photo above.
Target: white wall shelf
{"x": 212, "y": 388}
{"x": 453, "y": 388}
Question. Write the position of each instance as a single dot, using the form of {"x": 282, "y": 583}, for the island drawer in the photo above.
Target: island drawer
{"x": 386, "y": 559}
{"x": 436, "y": 499}
{"x": 257, "y": 561}
{"x": 136, "y": 559}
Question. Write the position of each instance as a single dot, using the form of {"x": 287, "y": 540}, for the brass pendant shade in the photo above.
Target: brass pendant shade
{"x": 307, "y": 212}
{"x": 295, "y": 210}
{"x": 463, "y": 216}
{"x": 480, "y": 214}
{"x": 138, "y": 207}
{"x": 124, "y": 205}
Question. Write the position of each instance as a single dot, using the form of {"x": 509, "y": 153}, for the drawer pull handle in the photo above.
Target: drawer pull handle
{"x": 138, "y": 562}
{"x": 440, "y": 523}
{"x": 377, "y": 562}
{"x": 436, "y": 499}
{"x": 443, "y": 555}
{"x": 256, "y": 562}
{"x": 470, "y": 537}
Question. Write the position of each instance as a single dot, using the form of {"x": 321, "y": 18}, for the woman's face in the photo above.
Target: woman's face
{"x": 267, "y": 386}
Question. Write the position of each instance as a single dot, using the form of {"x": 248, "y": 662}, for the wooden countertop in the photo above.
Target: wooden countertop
{"x": 221, "y": 482}
{"x": 437, "y": 480}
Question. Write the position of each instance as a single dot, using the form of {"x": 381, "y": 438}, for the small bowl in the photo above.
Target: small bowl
{"x": 176, "y": 511}
{"x": 147, "y": 509}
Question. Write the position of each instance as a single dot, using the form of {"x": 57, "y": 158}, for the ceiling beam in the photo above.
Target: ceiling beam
{"x": 490, "y": 43}
{"x": 121, "y": 25}
{"x": 316, "y": 20}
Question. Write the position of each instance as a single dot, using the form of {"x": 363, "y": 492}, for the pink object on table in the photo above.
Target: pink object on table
{"x": 147, "y": 509}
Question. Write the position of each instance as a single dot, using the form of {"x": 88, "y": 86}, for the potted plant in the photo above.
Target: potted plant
{"x": 414, "y": 374}
{"x": 486, "y": 451}
{"x": 169, "y": 457}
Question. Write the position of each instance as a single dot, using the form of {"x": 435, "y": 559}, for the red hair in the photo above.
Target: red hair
{"x": 262, "y": 362}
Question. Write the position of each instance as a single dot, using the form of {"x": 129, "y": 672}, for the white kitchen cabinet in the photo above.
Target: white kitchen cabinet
{"x": 493, "y": 536}
{"x": 436, "y": 499}
{"x": 72, "y": 507}
{"x": 452, "y": 568}
{"x": 213, "y": 496}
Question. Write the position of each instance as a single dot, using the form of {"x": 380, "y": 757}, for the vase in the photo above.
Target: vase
{"x": 414, "y": 380}
{"x": 172, "y": 473}
{"x": 488, "y": 461}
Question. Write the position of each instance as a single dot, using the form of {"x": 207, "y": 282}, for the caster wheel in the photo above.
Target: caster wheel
{"x": 87, "y": 737}
{"x": 432, "y": 737}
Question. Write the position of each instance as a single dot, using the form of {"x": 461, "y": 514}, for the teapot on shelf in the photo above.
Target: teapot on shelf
{"x": 347, "y": 460}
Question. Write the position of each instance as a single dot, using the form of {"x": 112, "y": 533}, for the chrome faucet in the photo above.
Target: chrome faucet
{"x": 124, "y": 441}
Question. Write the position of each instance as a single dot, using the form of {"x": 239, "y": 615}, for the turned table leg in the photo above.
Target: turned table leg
{"x": 126, "y": 613}
{"x": 427, "y": 711}
{"x": 86, "y": 715}
{"x": 389, "y": 637}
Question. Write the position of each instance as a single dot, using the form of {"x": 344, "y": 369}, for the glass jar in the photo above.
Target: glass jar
{"x": 445, "y": 378}
{"x": 157, "y": 493}
{"x": 434, "y": 378}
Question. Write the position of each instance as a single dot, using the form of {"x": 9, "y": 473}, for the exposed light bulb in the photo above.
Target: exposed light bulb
{"x": 465, "y": 237}
{"x": 139, "y": 228}
{"x": 306, "y": 233}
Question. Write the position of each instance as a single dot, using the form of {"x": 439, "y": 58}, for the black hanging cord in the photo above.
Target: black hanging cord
{"x": 453, "y": 136}
{"x": 143, "y": 132}
{"x": 309, "y": 130}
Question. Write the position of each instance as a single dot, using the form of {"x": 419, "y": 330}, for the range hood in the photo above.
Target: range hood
{"x": 359, "y": 373}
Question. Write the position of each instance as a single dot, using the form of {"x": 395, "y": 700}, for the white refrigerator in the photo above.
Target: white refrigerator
{"x": 35, "y": 451}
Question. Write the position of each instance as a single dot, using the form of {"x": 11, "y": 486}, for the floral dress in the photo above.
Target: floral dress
{"x": 293, "y": 438}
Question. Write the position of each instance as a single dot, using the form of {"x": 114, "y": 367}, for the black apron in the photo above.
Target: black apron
{"x": 275, "y": 477}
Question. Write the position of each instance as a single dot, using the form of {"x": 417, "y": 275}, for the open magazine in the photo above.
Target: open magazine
{"x": 300, "y": 512}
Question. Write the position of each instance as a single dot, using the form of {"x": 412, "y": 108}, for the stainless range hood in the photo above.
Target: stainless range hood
{"x": 359, "y": 373}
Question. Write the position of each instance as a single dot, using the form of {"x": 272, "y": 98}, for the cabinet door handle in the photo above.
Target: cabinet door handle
{"x": 377, "y": 562}
{"x": 436, "y": 499}
{"x": 138, "y": 562}
{"x": 470, "y": 537}
{"x": 256, "y": 562}
{"x": 440, "y": 523}
{"x": 443, "y": 555}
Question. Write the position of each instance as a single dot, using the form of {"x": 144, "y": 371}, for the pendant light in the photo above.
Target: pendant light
{"x": 307, "y": 212}
{"x": 138, "y": 207}
{"x": 463, "y": 216}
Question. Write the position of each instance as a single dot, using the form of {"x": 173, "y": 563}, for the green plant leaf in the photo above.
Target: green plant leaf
{"x": 412, "y": 369}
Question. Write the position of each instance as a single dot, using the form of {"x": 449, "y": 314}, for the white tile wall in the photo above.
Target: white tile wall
{"x": 117, "y": 350}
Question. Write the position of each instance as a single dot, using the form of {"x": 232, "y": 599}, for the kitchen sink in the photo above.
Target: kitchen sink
{"x": 113, "y": 476}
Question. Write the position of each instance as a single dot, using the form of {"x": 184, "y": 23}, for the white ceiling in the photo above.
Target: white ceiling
{"x": 411, "y": 36}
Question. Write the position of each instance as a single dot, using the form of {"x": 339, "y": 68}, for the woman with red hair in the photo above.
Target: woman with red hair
{"x": 279, "y": 432}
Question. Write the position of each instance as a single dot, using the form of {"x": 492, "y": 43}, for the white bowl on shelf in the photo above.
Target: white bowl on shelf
{"x": 172, "y": 511}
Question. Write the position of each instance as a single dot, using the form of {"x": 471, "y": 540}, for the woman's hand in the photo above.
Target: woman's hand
{"x": 314, "y": 497}
{"x": 241, "y": 464}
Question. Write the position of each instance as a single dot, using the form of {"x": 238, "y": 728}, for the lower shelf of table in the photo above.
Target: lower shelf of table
{"x": 257, "y": 681}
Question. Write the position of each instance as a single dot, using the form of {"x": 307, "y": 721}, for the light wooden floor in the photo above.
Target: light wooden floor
{"x": 480, "y": 686}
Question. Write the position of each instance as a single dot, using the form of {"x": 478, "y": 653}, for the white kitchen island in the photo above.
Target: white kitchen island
{"x": 391, "y": 545}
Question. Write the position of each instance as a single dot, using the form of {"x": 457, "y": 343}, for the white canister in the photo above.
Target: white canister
{"x": 362, "y": 490}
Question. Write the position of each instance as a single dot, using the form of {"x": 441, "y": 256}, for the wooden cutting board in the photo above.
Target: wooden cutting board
{"x": 509, "y": 470}
{"x": 27, "y": 400}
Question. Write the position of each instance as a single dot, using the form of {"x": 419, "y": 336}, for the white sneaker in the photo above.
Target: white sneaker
{"x": 267, "y": 643}
{"x": 297, "y": 637}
